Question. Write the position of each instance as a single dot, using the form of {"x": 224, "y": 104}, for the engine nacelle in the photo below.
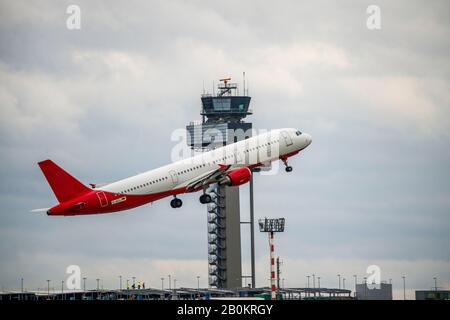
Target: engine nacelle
{"x": 237, "y": 177}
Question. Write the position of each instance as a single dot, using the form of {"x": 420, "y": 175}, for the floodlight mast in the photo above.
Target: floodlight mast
{"x": 271, "y": 226}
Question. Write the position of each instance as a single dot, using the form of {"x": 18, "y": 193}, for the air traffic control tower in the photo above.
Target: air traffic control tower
{"x": 222, "y": 123}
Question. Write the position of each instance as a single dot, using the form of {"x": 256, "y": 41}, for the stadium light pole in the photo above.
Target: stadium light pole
{"x": 307, "y": 286}
{"x": 162, "y": 283}
{"x": 339, "y": 277}
{"x": 356, "y": 282}
{"x": 170, "y": 282}
{"x": 98, "y": 283}
{"x": 21, "y": 289}
{"x": 404, "y": 287}
{"x": 314, "y": 280}
{"x": 271, "y": 226}
{"x": 120, "y": 283}
{"x": 48, "y": 289}
{"x": 435, "y": 283}
{"x": 198, "y": 286}
{"x": 84, "y": 284}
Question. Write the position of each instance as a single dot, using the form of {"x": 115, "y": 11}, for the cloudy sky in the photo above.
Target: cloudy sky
{"x": 102, "y": 101}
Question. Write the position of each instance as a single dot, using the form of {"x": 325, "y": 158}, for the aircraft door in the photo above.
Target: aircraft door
{"x": 173, "y": 176}
{"x": 287, "y": 138}
{"x": 102, "y": 199}
{"x": 238, "y": 158}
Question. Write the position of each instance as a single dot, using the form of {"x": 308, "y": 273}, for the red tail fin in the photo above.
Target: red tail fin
{"x": 64, "y": 186}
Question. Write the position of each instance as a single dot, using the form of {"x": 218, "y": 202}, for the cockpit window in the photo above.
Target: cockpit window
{"x": 298, "y": 133}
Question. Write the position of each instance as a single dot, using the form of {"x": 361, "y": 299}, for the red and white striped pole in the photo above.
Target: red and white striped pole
{"x": 272, "y": 266}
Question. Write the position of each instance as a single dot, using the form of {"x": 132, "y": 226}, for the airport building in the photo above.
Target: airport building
{"x": 432, "y": 294}
{"x": 382, "y": 291}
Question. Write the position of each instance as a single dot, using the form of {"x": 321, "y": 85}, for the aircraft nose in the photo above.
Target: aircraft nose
{"x": 308, "y": 138}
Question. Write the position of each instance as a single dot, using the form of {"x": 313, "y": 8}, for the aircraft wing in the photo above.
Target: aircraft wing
{"x": 211, "y": 177}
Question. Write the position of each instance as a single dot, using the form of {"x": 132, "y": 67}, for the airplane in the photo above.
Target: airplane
{"x": 229, "y": 165}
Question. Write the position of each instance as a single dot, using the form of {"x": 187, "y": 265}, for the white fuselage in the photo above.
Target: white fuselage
{"x": 254, "y": 151}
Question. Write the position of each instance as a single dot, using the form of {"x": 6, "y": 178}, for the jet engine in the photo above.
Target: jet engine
{"x": 236, "y": 177}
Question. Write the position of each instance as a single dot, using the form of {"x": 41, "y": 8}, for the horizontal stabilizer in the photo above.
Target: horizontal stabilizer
{"x": 40, "y": 210}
